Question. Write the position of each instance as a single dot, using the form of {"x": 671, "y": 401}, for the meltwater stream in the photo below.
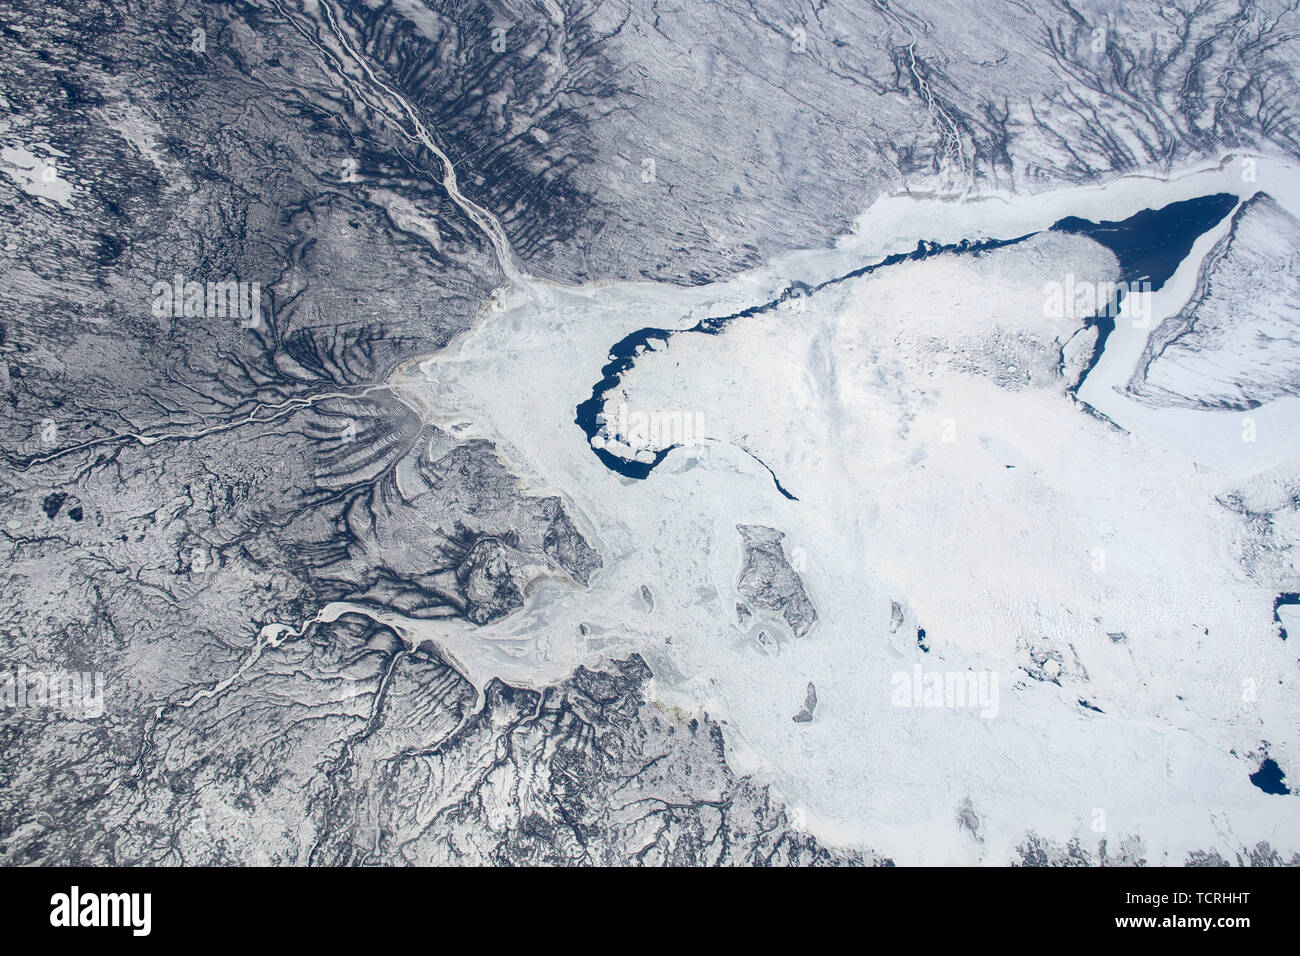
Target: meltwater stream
{"x": 1149, "y": 246}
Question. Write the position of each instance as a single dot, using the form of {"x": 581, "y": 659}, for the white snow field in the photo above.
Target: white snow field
{"x": 938, "y": 463}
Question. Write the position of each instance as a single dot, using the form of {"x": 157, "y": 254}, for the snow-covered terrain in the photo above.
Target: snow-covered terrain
{"x": 622, "y": 432}
{"x": 1236, "y": 343}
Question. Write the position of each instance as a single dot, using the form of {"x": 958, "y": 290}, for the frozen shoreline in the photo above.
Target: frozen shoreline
{"x": 982, "y": 555}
